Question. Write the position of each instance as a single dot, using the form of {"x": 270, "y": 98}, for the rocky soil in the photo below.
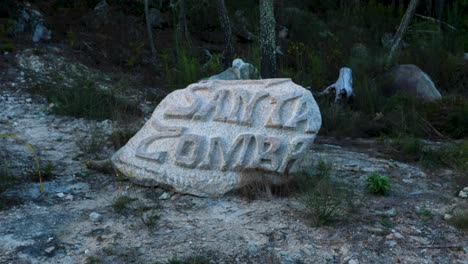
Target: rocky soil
{"x": 77, "y": 219}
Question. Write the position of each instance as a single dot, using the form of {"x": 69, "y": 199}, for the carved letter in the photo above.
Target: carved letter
{"x": 214, "y": 145}
{"x": 301, "y": 113}
{"x": 266, "y": 156}
{"x": 188, "y": 150}
{"x": 241, "y": 143}
{"x": 244, "y": 105}
{"x": 165, "y": 132}
{"x": 274, "y": 120}
{"x": 299, "y": 146}
{"x": 216, "y": 102}
{"x": 186, "y": 112}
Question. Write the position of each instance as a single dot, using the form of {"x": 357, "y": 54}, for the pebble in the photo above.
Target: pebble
{"x": 353, "y": 261}
{"x": 164, "y": 196}
{"x": 95, "y": 217}
{"x": 69, "y": 197}
{"x": 28, "y": 100}
{"x": 49, "y": 249}
{"x": 60, "y": 195}
{"x": 447, "y": 216}
{"x": 463, "y": 193}
{"x": 391, "y": 243}
{"x": 398, "y": 235}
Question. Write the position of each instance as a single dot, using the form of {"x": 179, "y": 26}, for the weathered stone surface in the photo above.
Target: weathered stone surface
{"x": 240, "y": 70}
{"x": 214, "y": 136}
{"x": 412, "y": 80}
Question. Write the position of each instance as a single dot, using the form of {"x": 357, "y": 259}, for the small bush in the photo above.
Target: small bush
{"x": 181, "y": 67}
{"x": 378, "y": 184}
{"x": 120, "y": 137}
{"x": 322, "y": 197}
{"x": 46, "y": 171}
{"x": 82, "y": 97}
{"x": 121, "y": 204}
{"x": 93, "y": 143}
{"x": 460, "y": 220}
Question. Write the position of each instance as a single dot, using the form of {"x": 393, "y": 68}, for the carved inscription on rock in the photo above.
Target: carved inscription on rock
{"x": 203, "y": 139}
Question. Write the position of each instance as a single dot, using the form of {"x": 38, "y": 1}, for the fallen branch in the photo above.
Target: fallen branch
{"x": 436, "y": 20}
{"x": 104, "y": 166}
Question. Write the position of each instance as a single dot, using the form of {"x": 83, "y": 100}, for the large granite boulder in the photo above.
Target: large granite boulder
{"x": 411, "y": 80}
{"x": 215, "y": 136}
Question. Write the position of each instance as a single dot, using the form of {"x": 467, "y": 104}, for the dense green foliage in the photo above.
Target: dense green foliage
{"x": 378, "y": 184}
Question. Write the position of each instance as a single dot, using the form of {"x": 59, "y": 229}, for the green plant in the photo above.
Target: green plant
{"x": 93, "y": 260}
{"x": 426, "y": 213}
{"x": 121, "y": 203}
{"x": 80, "y": 95}
{"x": 147, "y": 214}
{"x": 387, "y": 222}
{"x": 378, "y": 184}
{"x": 322, "y": 197}
{"x": 94, "y": 142}
{"x": 181, "y": 67}
{"x": 460, "y": 219}
{"x": 36, "y": 157}
{"x": 120, "y": 137}
{"x": 6, "y": 40}
{"x": 46, "y": 171}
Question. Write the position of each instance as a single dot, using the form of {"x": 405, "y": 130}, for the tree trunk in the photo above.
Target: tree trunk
{"x": 405, "y": 21}
{"x": 150, "y": 33}
{"x": 226, "y": 26}
{"x": 268, "y": 39}
{"x": 182, "y": 26}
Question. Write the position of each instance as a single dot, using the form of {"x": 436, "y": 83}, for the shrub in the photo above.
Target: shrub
{"x": 122, "y": 202}
{"x": 378, "y": 184}
{"x": 92, "y": 143}
{"x": 120, "y": 137}
{"x": 322, "y": 197}
{"x": 181, "y": 67}
{"x": 460, "y": 219}
{"x": 82, "y": 97}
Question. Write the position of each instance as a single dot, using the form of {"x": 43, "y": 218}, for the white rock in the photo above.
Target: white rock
{"x": 465, "y": 189}
{"x": 353, "y": 261}
{"x": 60, "y": 195}
{"x": 463, "y": 194}
{"x": 398, "y": 235}
{"x": 95, "y": 217}
{"x": 215, "y": 136}
{"x": 447, "y": 216}
{"x": 49, "y": 249}
{"x": 391, "y": 243}
{"x": 164, "y": 196}
{"x": 28, "y": 100}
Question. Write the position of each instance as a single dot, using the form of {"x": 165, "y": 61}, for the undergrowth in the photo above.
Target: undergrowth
{"x": 324, "y": 198}
{"x": 82, "y": 97}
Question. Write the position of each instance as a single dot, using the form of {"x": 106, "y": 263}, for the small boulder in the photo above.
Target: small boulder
{"x": 411, "y": 80}
{"x": 157, "y": 19}
{"x": 240, "y": 70}
{"x": 95, "y": 217}
{"x": 30, "y": 22}
{"x": 463, "y": 193}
